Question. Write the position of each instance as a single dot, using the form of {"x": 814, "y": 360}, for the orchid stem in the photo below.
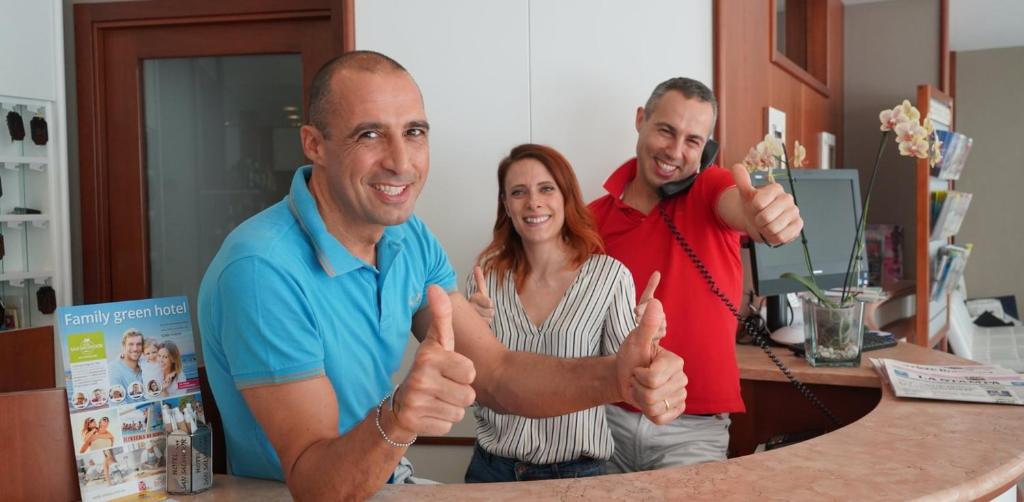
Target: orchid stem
{"x": 803, "y": 236}
{"x": 862, "y": 222}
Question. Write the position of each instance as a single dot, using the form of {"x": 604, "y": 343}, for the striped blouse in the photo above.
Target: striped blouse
{"x": 593, "y": 318}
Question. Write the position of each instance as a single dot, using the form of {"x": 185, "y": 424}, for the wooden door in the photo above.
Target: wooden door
{"x": 114, "y": 43}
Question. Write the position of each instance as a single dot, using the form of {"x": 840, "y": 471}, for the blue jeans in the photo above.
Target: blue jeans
{"x": 489, "y": 468}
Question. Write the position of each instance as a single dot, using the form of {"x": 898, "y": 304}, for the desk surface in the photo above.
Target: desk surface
{"x": 903, "y": 449}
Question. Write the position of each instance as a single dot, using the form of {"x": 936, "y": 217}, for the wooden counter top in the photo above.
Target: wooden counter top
{"x": 902, "y": 450}
{"x": 755, "y": 365}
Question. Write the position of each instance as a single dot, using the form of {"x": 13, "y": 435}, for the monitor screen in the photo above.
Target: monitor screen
{"x": 829, "y": 203}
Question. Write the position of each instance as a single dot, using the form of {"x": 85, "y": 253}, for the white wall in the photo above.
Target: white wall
{"x": 497, "y": 73}
{"x": 568, "y": 73}
{"x": 593, "y": 63}
{"x": 28, "y": 68}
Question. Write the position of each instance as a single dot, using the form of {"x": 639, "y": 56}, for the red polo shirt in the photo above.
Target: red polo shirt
{"x": 700, "y": 328}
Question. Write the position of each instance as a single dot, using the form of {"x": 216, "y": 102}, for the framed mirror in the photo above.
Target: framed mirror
{"x": 799, "y": 40}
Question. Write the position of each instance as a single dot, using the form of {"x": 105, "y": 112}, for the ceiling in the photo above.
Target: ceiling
{"x": 980, "y": 24}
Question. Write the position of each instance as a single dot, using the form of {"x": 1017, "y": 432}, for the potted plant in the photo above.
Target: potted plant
{"x": 833, "y": 322}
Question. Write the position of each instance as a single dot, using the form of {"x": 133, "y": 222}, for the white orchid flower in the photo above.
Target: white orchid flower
{"x": 799, "y": 155}
{"x": 772, "y": 145}
{"x": 752, "y": 161}
{"x": 936, "y": 150}
{"x": 909, "y": 111}
{"x": 889, "y": 118}
{"x": 909, "y": 132}
{"x": 917, "y": 148}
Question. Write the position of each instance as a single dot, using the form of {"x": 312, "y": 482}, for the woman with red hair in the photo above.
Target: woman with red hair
{"x": 545, "y": 287}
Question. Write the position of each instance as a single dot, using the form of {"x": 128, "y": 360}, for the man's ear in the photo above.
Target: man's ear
{"x": 639, "y": 118}
{"x": 312, "y": 139}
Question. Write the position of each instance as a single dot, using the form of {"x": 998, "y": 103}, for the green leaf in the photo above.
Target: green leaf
{"x": 809, "y": 283}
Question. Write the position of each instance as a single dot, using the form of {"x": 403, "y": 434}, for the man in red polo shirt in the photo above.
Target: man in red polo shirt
{"x": 711, "y": 215}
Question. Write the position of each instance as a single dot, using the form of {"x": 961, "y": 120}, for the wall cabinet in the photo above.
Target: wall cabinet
{"x": 32, "y": 225}
{"x": 33, "y": 173}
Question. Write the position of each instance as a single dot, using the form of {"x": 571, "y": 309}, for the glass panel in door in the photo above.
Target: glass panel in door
{"x": 221, "y": 144}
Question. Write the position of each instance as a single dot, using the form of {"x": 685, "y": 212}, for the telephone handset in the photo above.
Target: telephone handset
{"x": 752, "y": 325}
{"x": 682, "y": 186}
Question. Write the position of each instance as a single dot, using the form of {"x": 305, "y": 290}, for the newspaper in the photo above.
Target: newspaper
{"x": 975, "y": 383}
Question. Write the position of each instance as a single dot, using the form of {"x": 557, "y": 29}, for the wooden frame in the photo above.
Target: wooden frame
{"x": 816, "y": 42}
{"x": 945, "y": 64}
{"x": 718, "y": 70}
{"x": 115, "y": 245}
{"x": 921, "y": 335}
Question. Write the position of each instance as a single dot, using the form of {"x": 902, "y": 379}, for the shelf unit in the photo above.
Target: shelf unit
{"x": 34, "y": 244}
{"x": 931, "y": 319}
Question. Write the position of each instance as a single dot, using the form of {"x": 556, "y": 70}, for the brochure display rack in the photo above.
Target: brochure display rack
{"x": 939, "y": 210}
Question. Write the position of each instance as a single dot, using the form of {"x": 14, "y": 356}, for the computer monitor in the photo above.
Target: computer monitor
{"x": 830, "y": 206}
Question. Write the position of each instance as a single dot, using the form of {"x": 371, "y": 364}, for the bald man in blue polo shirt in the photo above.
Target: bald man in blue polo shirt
{"x": 307, "y": 308}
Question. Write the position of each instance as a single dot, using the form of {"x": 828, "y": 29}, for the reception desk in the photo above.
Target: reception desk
{"x": 890, "y": 449}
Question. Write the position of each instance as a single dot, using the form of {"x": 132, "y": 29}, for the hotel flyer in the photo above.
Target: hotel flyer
{"x": 127, "y": 366}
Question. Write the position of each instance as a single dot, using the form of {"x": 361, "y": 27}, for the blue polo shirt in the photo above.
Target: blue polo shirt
{"x": 283, "y": 300}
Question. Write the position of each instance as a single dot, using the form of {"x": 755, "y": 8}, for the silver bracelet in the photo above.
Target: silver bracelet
{"x": 376, "y": 420}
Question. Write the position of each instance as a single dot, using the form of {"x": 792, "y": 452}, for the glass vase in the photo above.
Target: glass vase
{"x": 832, "y": 336}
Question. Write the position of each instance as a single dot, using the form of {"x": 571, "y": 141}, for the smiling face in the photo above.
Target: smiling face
{"x": 534, "y": 202}
{"x": 150, "y": 352}
{"x": 371, "y": 163}
{"x": 164, "y": 359}
{"x": 132, "y": 347}
{"x": 670, "y": 141}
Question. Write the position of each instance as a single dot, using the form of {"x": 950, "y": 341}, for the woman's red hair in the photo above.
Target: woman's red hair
{"x": 505, "y": 254}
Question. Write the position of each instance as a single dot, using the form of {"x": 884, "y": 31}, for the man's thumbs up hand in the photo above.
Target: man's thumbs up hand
{"x": 439, "y": 386}
{"x": 770, "y": 213}
{"x": 651, "y": 378}
{"x": 441, "y": 314}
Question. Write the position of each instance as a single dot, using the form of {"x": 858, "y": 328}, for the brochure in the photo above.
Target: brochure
{"x": 955, "y": 149}
{"x": 884, "y": 244}
{"x": 972, "y": 383}
{"x": 125, "y": 363}
{"x": 948, "y": 211}
{"x": 949, "y": 268}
